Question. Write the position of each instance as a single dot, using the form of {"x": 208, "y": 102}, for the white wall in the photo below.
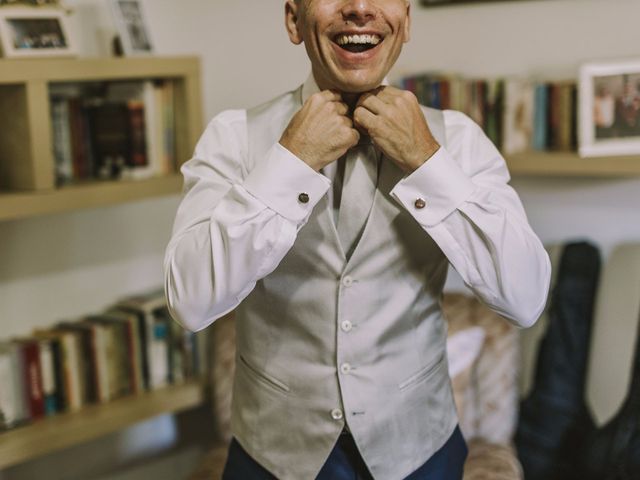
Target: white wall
{"x": 64, "y": 265}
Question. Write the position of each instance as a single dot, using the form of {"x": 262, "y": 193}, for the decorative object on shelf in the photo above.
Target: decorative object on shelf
{"x": 133, "y": 33}
{"x": 609, "y": 108}
{"x": 35, "y": 32}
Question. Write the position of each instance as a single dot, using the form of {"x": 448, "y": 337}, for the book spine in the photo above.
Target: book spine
{"x": 159, "y": 349}
{"x": 138, "y": 154}
{"x": 48, "y": 376}
{"x": 58, "y": 366}
{"x": 169, "y": 127}
{"x": 33, "y": 380}
{"x": 8, "y": 407}
{"x": 61, "y": 140}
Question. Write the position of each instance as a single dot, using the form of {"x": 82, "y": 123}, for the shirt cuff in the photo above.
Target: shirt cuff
{"x": 286, "y": 184}
{"x": 434, "y": 190}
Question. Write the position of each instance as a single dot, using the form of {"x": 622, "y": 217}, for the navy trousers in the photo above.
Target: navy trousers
{"x": 345, "y": 462}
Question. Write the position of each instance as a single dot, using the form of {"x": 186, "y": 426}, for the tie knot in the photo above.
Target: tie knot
{"x": 364, "y": 140}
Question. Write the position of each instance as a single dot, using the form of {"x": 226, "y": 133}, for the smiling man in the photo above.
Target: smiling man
{"x": 328, "y": 218}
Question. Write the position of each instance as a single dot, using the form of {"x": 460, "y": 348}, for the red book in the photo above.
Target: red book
{"x": 33, "y": 378}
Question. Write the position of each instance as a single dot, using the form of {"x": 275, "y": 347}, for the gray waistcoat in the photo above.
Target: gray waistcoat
{"x": 323, "y": 341}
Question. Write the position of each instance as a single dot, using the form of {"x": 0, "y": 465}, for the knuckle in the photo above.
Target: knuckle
{"x": 407, "y": 95}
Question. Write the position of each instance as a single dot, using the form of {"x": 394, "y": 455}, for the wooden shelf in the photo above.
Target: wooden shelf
{"x": 90, "y": 195}
{"x": 27, "y": 161}
{"x": 60, "y": 431}
{"x": 14, "y": 71}
{"x": 570, "y": 164}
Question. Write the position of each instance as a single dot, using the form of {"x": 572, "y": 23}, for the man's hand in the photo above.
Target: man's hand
{"x": 396, "y": 125}
{"x": 320, "y": 132}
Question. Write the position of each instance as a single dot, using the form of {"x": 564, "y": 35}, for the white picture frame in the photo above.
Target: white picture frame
{"x": 131, "y": 25}
{"x": 609, "y": 108}
{"x": 27, "y": 32}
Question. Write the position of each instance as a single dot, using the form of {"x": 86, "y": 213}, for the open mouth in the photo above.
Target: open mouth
{"x": 358, "y": 43}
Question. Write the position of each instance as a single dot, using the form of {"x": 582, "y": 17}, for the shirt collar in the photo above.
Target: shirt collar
{"x": 310, "y": 87}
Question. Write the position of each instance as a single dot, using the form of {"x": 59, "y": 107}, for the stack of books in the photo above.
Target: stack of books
{"x": 517, "y": 114}
{"x": 113, "y": 130}
{"x": 130, "y": 348}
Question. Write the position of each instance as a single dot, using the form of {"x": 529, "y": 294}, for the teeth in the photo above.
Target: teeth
{"x": 358, "y": 39}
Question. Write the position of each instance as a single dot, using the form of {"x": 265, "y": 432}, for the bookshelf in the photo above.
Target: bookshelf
{"x": 28, "y": 188}
{"x": 64, "y": 430}
{"x": 27, "y": 183}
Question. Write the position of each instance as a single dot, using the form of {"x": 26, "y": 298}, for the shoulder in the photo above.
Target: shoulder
{"x": 227, "y": 128}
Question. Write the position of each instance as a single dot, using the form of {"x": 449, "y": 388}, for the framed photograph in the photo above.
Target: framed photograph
{"x": 35, "y": 32}
{"x": 609, "y": 108}
{"x": 132, "y": 27}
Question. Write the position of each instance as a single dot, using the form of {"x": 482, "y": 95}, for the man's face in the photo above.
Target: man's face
{"x": 352, "y": 44}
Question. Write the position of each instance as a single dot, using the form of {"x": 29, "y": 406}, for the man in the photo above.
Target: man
{"x": 329, "y": 217}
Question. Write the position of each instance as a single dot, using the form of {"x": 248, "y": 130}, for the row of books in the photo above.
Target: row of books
{"x": 113, "y": 130}
{"x": 517, "y": 114}
{"x": 130, "y": 348}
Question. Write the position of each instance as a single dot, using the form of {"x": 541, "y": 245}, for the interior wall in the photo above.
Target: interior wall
{"x": 62, "y": 266}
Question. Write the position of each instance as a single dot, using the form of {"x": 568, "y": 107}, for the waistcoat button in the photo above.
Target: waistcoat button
{"x": 346, "y": 326}
{"x": 347, "y": 281}
{"x": 336, "y": 414}
{"x": 345, "y": 368}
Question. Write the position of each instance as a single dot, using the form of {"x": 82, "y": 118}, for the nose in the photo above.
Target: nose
{"x": 358, "y": 11}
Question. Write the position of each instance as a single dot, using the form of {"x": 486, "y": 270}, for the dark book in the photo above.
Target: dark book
{"x": 138, "y": 141}
{"x": 77, "y": 126}
{"x": 110, "y": 138}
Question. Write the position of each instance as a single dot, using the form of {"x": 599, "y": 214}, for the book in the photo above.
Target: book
{"x": 29, "y": 360}
{"x": 117, "y": 349}
{"x": 541, "y": 107}
{"x": 61, "y": 133}
{"x": 73, "y": 378}
{"x": 54, "y": 401}
{"x": 148, "y": 308}
{"x": 518, "y": 123}
{"x": 12, "y": 394}
{"x": 110, "y": 138}
{"x": 48, "y": 368}
{"x": 134, "y": 347}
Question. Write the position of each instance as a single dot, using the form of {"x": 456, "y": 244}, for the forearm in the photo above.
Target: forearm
{"x": 215, "y": 264}
{"x": 479, "y": 223}
{"x": 231, "y": 231}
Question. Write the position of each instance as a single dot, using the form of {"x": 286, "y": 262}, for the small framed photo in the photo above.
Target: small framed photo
{"x": 132, "y": 27}
{"x": 35, "y": 32}
{"x": 609, "y": 108}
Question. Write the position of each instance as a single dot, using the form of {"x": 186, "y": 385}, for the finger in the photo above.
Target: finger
{"x": 362, "y": 117}
{"x": 356, "y": 136}
{"x": 372, "y": 103}
{"x": 342, "y": 108}
{"x": 331, "y": 95}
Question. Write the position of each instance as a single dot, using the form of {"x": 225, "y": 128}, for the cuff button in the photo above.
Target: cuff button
{"x": 420, "y": 203}
{"x": 303, "y": 198}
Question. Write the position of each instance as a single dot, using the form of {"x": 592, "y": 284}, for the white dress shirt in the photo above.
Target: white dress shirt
{"x": 234, "y": 227}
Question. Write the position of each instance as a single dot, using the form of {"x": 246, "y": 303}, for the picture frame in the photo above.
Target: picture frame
{"x": 609, "y": 108}
{"x": 132, "y": 28}
{"x": 27, "y": 32}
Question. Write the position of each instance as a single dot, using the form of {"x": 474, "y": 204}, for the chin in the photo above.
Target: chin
{"x": 359, "y": 85}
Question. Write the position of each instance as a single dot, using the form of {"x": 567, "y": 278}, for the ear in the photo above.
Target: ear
{"x": 291, "y": 21}
{"x": 407, "y": 24}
